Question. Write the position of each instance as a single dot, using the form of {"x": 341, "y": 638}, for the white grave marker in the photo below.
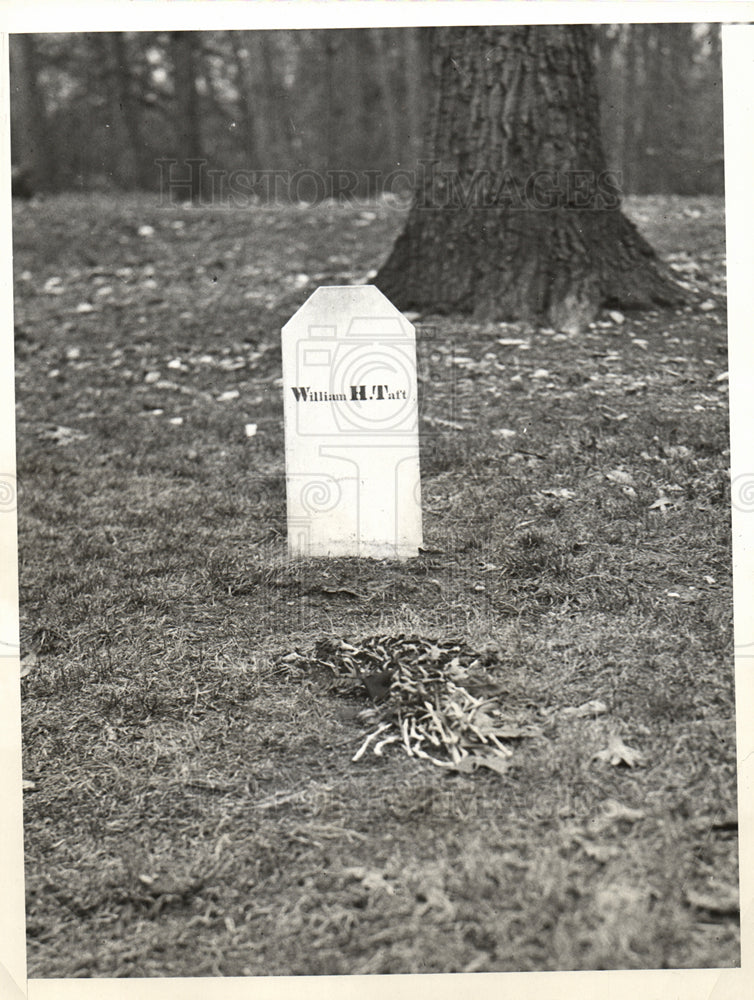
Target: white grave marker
{"x": 351, "y": 427}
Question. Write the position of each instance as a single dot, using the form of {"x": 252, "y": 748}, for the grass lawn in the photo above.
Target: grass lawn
{"x": 194, "y": 809}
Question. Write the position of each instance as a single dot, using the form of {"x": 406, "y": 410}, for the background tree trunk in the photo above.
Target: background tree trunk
{"x": 129, "y": 108}
{"x": 417, "y": 88}
{"x": 382, "y": 62}
{"x": 632, "y": 163}
{"x": 517, "y": 218}
{"x": 32, "y": 144}
{"x": 250, "y": 125}
{"x": 266, "y": 98}
{"x": 188, "y": 134}
{"x": 333, "y": 109}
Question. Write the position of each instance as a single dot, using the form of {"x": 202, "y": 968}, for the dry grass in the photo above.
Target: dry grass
{"x": 196, "y": 810}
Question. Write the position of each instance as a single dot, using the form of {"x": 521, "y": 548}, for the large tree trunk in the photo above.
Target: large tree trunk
{"x": 381, "y": 41}
{"x": 247, "y": 109}
{"x": 276, "y": 108}
{"x": 332, "y": 132}
{"x": 633, "y": 123}
{"x": 416, "y": 90}
{"x": 516, "y": 217}
{"x": 33, "y": 147}
{"x": 186, "y": 103}
{"x": 129, "y": 110}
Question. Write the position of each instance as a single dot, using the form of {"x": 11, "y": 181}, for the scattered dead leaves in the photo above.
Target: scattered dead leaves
{"x": 617, "y": 754}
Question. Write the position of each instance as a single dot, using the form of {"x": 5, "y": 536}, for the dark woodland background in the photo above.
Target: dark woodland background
{"x": 94, "y": 111}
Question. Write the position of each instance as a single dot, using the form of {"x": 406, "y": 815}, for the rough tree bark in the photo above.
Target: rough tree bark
{"x": 515, "y": 217}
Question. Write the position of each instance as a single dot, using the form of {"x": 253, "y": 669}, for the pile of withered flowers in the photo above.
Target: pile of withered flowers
{"x": 439, "y": 700}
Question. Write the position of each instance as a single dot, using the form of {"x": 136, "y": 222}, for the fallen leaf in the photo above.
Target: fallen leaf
{"x": 678, "y": 451}
{"x": 590, "y": 709}
{"x": 467, "y": 765}
{"x": 616, "y": 753}
{"x": 445, "y": 423}
{"x": 62, "y": 435}
{"x": 28, "y": 786}
{"x": 291, "y": 658}
{"x": 662, "y": 503}
{"x": 225, "y": 397}
{"x": 686, "y": 594}
{"x": 621, "y": 477}
{"x": 28, "y": 663}
{"x": 515, "y": 732}
{"x": 250, "y": 430}
{"x": 560, "y": 492}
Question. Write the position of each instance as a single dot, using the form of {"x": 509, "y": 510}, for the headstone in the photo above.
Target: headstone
{"x": 351, "y": 427}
